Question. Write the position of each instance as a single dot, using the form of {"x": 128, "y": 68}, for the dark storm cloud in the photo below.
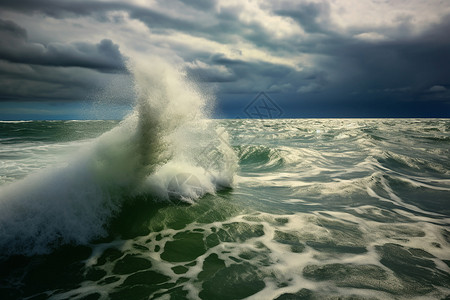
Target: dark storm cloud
{"x": 61, "y": 8}
{"x": 408, "y": 65}
{"x": 11, "y": 29}
{"x": 365, "y": 66}
{"x": 14, "y": 47}
{"x": 238, "y": 76}
{"x": 21, "y": 82}
{"x": 223, "y": 26}
{"x": 154, "y": 19}
{"x": 34, "y": 82}
{"x": 406, "y": 75}
{"x": 192, "y": 17}
{"x": 67, "y": 8}
{"x": 56, "y": 71}
{"x": 310, "y": 16}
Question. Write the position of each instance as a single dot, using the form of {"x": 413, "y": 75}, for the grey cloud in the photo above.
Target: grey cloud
{"x": 68, "y": 8}
{"x": 209, "y": 73}
{"x": 57, "y": 71}
{"x": 61, "y": 8}
{"x": 255, "y": 76}
{"x": 97, "y": 9}
{"x": 12, "y": 29}
{"x": 154, "y": 19}
{"x": 310, "y": 16}
{"x": 419, "y": 61}
{"x": 200, "y": 4}
{"x": 222, "y": 26}
{"x": 28, "y": 82}
{"x": 14, "y": 47}
{"x": 359, "y": 70}
{"x": 35, "y": 82}
{"x": 350, "y": 76}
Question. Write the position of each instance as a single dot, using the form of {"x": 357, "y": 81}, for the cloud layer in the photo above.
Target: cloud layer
{"x": 14, "y": 47}
{"x": 315, "y": 57}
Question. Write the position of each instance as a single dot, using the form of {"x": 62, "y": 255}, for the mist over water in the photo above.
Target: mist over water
{"x": 168, "y": 204}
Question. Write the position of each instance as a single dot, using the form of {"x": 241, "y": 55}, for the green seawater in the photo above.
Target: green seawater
{"x": 318, "y": 209}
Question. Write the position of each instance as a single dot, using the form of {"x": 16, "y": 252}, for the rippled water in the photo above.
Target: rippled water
{"x": 320, "y": 209}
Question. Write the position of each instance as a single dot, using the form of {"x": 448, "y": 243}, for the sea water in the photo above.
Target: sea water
{"x": 168, "y": 204}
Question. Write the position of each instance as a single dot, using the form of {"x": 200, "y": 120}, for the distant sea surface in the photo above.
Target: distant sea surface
{"x": 272, "y": 209}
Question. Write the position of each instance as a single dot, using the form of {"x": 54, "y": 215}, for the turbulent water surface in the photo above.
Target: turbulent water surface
{"x": 317, "y": 209}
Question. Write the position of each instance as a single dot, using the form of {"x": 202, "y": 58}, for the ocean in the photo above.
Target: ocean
{"x": 169, "y": 204}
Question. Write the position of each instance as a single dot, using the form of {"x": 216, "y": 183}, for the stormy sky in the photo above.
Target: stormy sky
{"x": 315, "y": 58}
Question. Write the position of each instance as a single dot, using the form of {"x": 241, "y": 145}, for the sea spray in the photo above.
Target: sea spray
{"x": 175, "y": 137}
{"x": 166, "y": 136}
